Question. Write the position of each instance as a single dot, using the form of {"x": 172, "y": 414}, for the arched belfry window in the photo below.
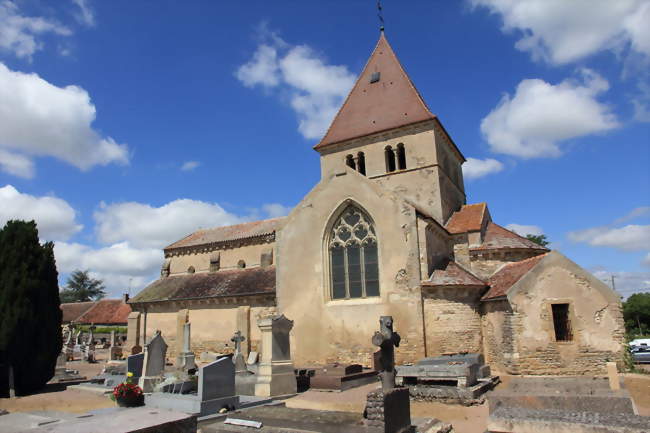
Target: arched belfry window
{"x": 361, "y": 163}
{"x": 349, "y": 161}
{"x": 401, "y": 157}
{"x": 390, "y": 159}
{"x": 354, "y": 267}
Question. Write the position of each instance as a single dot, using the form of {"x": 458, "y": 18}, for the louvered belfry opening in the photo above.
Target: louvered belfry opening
{"x": 561, "y": 322}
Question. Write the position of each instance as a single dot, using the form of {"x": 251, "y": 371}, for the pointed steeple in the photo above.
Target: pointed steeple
{"x": 383, "y": 98}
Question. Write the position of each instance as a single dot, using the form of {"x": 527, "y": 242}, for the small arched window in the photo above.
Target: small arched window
{"x": 354, "y": 267}
{"x": 349, "y": 161}
{"x": 401, "y": 157}
{"x": 190, "y": 270}
{"x": 361, "y": 163}
{"x": 390, "y": 159}
{"x": 241, "y": 264}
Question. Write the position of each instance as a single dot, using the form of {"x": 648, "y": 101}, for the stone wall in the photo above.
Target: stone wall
{"x": 500, "y": 327}
{"x": 452, "y": 320}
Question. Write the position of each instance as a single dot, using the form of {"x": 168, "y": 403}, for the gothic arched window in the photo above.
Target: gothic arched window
{"x": 354, "y": 267}
{"x": 349, "y": 161}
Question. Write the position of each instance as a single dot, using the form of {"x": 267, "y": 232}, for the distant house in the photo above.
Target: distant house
{"x": 105, "y": 312}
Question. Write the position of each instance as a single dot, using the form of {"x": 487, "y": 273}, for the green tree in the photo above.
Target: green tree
{"x": 538, "y": 239}
{"x": 80, "y": 287}
{"x": 30, "y": 313}
{"x": 636, "y": 312}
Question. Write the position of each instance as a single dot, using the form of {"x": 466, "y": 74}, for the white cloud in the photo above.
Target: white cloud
{"x": 118, "y": 266}
{"x": 54, "y": 217}
{"x": 540, "y": 115}
{"x": 85, "y": 15}
{"x": 524, "y": 230}
{"x": 633, "y": 214}
{"x": 143, "y": 225}
{"x": 561, "y": 31}
{"x": 631, "y": 237}
{"x": 18, "y": 33}
{"x": 316, "y": 88}
{"x": 40, "y": 119}
{"x": 641, "y": 101}
{"x": 474, "y": 168}
{"x": 15, "y": 164}
{"x": 626, "y": 282}
{"x": 274, "y": 210}
{"x": 190, "y": 165}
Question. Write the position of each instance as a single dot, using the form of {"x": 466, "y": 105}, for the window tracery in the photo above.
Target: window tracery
{"x": 354, "y": 267}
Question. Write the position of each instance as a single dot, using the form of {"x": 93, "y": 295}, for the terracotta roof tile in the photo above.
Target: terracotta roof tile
{"x": 229, "y": 233}
{"x": 508, "y": 275}
{"x": 388, "y": 103}
{"x": 107, "y": 312}
{"x": 73, "y": 310}
{"x": 468, "y": 219}
{"x": 497, "y": 237}
{"x": 232, "y": 282}
{"x": 453, "y": 275}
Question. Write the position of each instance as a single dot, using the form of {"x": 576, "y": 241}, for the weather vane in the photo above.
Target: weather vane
{"x": 380, "y": 15}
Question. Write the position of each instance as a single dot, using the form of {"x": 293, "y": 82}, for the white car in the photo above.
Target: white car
{"x": 640, "y": 342}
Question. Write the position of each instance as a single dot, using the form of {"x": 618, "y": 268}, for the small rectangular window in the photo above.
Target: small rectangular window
{"x": 375, "y": 77}
{"x": 561, "y": 322}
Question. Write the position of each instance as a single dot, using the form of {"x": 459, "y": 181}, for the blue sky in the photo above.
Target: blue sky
{"x": 125, "y": 125}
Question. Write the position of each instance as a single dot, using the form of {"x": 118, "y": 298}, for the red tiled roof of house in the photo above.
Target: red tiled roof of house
{"x": 225, "y": 283}
{"x": 468, "y": 219}
{"x": 374, "y": 106}
{"x": 73, "y": 310}
{"x": 498, "y": 237}
{"x": 508, "y": 275}
{"x": 107, "y": 312}
{"x": 453, "y": 275}
{"x": 229, "y": 233}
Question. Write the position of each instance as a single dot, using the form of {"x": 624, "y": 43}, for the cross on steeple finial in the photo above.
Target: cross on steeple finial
{"x": 380, "y": 15}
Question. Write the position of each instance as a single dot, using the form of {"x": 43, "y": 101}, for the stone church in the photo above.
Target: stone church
{"x": 387, "y": 231}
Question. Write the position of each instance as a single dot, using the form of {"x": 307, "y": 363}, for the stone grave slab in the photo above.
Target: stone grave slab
{"x": 216, "y": 390}
{"x": 339, "y": 377}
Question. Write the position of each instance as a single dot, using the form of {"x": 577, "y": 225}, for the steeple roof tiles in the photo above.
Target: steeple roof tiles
{"x": 468, "y": 219}
{"x": 508, "y": 275}
{"x": 372, "y": 105}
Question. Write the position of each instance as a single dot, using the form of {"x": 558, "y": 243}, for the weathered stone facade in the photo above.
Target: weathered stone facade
{"x": 452, "y": 279}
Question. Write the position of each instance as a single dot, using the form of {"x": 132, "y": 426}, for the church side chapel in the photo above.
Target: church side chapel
{"x": 387, "y": 232}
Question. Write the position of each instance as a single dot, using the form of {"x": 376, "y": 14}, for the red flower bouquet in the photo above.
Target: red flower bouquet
{"x": 128, "y": 395}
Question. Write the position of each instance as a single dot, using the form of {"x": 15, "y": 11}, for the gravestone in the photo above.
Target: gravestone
{"x": 91, "y": 336}
{"x": 182, "y": 317}
{"x": 238, "y": 357}
{"x": 339, "y": 377}
{"x": 134, "y": 365}
{"x": 244, "y": 379}
{"x": 185, "y": 360}
{"x": 154, "y": 362}
{"x": 276, "y": 374}
{"x": 133, "y": 333}
{"x": 115, "y": 350}
{"x": 12, "y": 390}
{"x": 216, "y": 390}
{"x": 89, "y": 353}
{"x": 388, "y": 409}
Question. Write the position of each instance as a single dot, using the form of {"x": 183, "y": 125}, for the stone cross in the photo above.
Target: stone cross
{"x": 91, "y": 337}
{"x": 238, "y": 339}
{"x": 238, "y": 358}
{"x": 69, "y": 341}
{"x": 386, "y": 339}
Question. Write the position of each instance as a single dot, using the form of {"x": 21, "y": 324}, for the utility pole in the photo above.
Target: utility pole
{"x": 613, "y": 284}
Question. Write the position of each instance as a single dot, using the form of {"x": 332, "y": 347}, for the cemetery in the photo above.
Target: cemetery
{"x": 227, "y": 393}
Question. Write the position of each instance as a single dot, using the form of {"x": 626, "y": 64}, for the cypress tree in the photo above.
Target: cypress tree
{"x": 30, "y": 314}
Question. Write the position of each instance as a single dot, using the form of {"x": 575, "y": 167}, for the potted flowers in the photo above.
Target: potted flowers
{"x": 128, "y": 394}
